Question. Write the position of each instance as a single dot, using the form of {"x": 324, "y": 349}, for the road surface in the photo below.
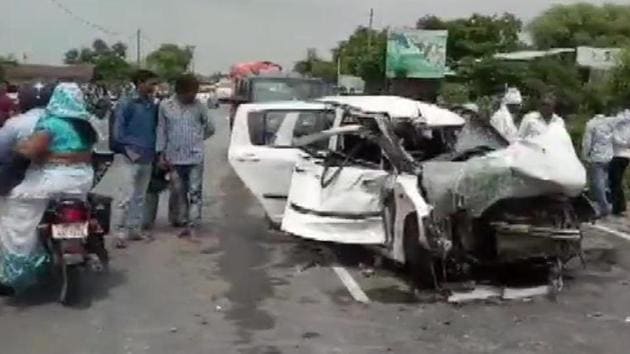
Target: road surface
{"x": 245, "y": 289}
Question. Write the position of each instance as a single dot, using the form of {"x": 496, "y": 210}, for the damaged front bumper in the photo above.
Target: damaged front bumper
{"x": 364, "y": 229}
{"x": 516, "y": 242}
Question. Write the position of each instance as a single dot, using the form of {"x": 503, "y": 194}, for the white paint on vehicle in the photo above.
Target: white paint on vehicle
{"x": 353, "y": 287}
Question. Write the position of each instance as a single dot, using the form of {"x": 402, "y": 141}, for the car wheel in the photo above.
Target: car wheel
{"x": 418, "y": 261}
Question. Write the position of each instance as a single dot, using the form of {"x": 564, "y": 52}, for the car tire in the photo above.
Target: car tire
{"x": 419, "y": 262}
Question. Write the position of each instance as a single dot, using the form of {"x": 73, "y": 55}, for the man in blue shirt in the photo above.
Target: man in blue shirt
{"x": 134, "y": 129}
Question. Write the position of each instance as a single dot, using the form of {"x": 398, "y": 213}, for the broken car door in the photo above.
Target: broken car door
{"x": 263, "y": 155}
{"x": 338, "y": 198}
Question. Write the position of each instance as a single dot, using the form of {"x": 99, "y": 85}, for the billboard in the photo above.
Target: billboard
{"x": 418, "y": 54}
{"x": 598, "y": 58}
{"x": 351, "y": 84}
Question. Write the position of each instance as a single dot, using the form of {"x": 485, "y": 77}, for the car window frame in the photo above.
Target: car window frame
{"x": 262, "y": 115}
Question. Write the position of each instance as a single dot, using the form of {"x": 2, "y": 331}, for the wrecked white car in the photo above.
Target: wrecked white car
{"x": 417, "y": 181}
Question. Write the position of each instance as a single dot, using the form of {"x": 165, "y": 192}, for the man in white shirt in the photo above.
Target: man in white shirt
{"x": 619, "y": 163}
{"x": 503, "y": 119}
{"x": 537, "y": 122}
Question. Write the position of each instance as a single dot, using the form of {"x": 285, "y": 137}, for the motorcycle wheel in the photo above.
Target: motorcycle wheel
{"x": 70, "y": 290}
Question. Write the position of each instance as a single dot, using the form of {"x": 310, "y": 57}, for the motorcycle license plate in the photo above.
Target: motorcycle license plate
{"x": 70, "y": 231}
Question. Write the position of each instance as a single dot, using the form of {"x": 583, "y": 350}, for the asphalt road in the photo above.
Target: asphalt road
{"x": 244, "y": 289}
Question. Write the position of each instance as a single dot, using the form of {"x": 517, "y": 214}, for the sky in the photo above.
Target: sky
{"x": 224, "y": 32}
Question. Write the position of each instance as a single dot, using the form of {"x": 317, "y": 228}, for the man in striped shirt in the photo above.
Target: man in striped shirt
{"x": 183, "y": 126}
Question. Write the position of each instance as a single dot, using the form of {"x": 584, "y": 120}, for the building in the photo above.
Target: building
{"x": 21, "y": 73}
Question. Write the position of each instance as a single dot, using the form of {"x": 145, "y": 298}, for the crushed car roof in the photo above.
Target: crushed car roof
{"x": 284, "y": 105}
{"x": 400, "y": 107}
{"x": 394, "y": 106}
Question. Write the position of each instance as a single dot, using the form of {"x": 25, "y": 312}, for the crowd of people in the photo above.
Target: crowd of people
{"x": 46, "y": 151}
{"x": 151, "y": 138}
{"x": 46, "y": 146}
{"x": 605, "y": 145}
{"x": 606, "y": 152}
{"x": 47, "y": 140}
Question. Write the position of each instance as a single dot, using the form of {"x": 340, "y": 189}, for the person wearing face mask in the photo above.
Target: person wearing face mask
{"x": 183, "y": 126}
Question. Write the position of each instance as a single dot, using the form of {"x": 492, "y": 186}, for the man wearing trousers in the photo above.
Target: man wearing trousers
{"x": 619, "y": 163}
{"x": 134, "y": 129}
{"x": 183, "y": 126}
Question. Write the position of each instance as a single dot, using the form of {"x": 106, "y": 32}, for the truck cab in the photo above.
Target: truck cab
{"x": 274, "y": 88}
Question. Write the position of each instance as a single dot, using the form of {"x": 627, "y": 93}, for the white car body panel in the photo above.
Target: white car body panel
{"x": 408, "y": 201}
{"x": 346, "y": 211}
{"x": 399, "y": 107}
{"x": 266, "y": 170}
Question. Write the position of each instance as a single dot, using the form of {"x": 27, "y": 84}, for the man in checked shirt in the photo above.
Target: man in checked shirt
{"x": 183, "y": 126}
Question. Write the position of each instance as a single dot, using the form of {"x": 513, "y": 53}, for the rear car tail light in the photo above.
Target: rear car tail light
{"x": 72, "y": 214}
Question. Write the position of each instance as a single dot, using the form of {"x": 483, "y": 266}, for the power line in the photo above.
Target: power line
{"x": 86, "y": 22}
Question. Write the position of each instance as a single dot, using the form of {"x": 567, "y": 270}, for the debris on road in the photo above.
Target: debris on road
{"x": 311, "y": 335}
{"x": 524, "y": 293}
{"x": 492, "y": 292}
{"x": 479, "y": 293}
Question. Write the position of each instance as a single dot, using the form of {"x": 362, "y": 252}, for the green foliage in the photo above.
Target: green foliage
{"x": 110, "y": 64}
{"x": 455, "y": 93}
{"x": 477, "y": 36}
{"x": 488, "y": 76}
{"x": 6, "y": 60}
{"x": 363, "y": 54}
{"x": 619, "y": 84}
{"x": 170, "y": 61}
{"x": 569, "y": 26}
{"x": 314, "y": 66}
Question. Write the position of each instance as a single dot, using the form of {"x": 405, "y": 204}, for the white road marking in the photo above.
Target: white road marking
{"x": 613, "y": 232}
{"x": 353, "y": 287}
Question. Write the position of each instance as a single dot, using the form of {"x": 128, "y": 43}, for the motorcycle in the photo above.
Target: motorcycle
{"x": 73, "y": 232}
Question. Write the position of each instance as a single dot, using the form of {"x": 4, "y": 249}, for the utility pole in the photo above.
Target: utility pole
{"x": 139, "y": 52}
{"x": 191, "y": 50}
{"x": 370, "y": 26}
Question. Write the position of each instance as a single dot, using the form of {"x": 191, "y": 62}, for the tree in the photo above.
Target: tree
{"x": 569, "y": 26}
{"x": 72, "y": 57}
{"x": 112, "y": 68}
{"x": 100, "y": 48}
{"x": 619, "y": 83}
{"x": 363, "y": 55}
{"x": 314, "y": 66}
{"x": 431, "y": 22}
{"x": 120, "y": 49}
{"x": 478, "y": 35}
{"x": 6, "y": 60}
{"x": 109, "y": 61}
{"x": 170, "y": 60}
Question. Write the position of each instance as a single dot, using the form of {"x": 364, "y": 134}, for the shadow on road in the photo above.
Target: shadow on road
{"x": 94, "y": 287}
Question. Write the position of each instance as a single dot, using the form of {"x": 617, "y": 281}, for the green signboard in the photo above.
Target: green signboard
{"x": 419, "y": 54}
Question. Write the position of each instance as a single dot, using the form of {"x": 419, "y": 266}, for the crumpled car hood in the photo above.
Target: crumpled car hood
{"x": 543, "y": 165}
